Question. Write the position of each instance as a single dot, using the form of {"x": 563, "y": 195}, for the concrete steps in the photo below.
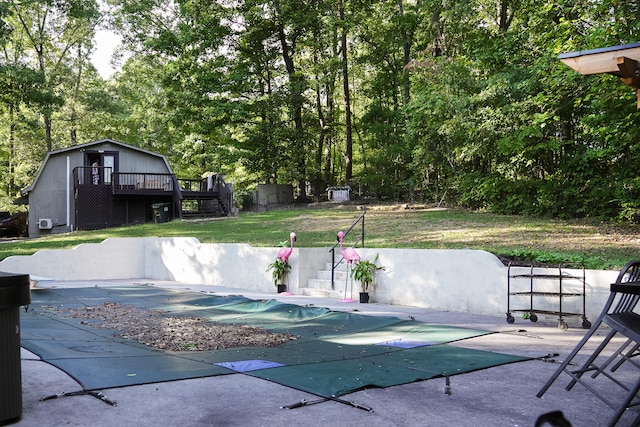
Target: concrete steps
{"x": 321, "y": 285}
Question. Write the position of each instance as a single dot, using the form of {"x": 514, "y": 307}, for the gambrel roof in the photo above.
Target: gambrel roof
{"x": 85, "y": 146}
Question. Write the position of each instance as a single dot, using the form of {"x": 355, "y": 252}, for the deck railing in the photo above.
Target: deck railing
{"x": 211, "y": 184}
{"x": 156, "y": 184}
{"x": 92, "y": 175}
{"x": 190, "y": 184}
{"x": 122, "y": 182}
{"x": 142, "y": 182}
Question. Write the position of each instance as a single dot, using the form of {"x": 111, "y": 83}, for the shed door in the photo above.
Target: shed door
{"x": 109, "y": 162}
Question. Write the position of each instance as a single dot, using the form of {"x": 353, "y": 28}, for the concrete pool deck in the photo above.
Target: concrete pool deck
{"x": 500, "y": 396}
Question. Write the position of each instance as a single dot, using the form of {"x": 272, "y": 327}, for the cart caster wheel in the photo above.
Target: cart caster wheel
{"x": 562, "y": 325}
{"x": 586, "y": 324}
{"x": 510, "y": 319}
{"x": 533, "y": 317}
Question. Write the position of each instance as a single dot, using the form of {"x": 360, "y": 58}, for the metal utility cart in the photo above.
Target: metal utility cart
{"x": 517, "y": 276}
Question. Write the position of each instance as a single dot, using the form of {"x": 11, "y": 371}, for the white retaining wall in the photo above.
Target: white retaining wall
{"x": 457, "y": 280}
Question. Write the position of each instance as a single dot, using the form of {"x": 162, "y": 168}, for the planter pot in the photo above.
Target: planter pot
{"x": 282, "y": 288}
{"x": 364, "y": 297}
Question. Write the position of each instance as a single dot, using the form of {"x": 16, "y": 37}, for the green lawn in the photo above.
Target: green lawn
{"x": 599, "y": 246}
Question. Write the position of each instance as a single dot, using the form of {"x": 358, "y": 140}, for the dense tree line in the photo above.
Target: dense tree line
{"x": 435, "y": 101}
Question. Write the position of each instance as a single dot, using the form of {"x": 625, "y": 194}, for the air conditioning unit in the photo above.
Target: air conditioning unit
{"x": 45, "y": 224}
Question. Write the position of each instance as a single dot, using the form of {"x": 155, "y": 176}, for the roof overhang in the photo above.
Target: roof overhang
{"x": 622, "y": 61}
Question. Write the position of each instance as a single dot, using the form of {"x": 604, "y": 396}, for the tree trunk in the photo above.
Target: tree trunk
{"x": 504, "y": 16}
{"x": 295, "y": 83}
{"x": 73, "y": 116}
{"x": 12, "y": 138}
{"x": 347, "y": 103}
{"x": 406, "y": 45}
{"x": 47, "y": 130}
{"x": 328, "y": 176}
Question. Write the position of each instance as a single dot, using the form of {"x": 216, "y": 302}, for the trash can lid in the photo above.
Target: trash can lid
{"x": 14, "y": 290}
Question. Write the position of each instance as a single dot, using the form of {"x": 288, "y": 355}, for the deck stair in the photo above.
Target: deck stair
{"x": 208, "y": 197}
{"x": 203, "y": 207}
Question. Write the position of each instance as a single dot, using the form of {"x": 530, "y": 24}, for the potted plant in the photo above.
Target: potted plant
{"x": 279, "y": 270}
{"x": 364, "y": 271}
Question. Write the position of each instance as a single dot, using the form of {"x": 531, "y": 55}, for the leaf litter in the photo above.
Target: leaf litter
{"x": 160, "y": 330}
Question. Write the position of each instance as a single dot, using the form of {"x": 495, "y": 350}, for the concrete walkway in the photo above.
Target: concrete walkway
{"x": 500, "y": 396}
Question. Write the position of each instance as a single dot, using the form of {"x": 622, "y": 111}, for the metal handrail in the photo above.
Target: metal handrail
{"x": 334, "y": 264}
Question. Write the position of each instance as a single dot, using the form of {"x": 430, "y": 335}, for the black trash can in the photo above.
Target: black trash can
{"x": 14, "y": 292}
{"x": 161, "y": 212}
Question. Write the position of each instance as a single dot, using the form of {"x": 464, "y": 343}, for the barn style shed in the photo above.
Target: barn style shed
{"x": 107, "y": 183}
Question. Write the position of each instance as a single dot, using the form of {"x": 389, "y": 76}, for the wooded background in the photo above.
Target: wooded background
{"x": 434, "y": 101}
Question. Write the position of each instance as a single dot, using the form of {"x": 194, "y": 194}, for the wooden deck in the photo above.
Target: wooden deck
{"x": 129, "y": 192}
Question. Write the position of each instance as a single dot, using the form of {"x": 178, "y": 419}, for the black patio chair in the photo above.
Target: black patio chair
{"x": 617, "y": 314}
{"x": 633, "y": 352}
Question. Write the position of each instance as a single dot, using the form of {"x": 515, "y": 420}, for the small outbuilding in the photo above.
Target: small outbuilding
{"x": 107, "y": 183}
{"x": 338, "y": 194}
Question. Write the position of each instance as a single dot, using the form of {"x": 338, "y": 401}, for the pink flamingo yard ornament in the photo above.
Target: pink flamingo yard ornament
{"x": 285, "y": 252}
{"x": 352, "y": 257}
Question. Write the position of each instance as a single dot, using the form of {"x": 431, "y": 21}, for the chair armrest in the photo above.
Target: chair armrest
{"x": 626, "y": 288}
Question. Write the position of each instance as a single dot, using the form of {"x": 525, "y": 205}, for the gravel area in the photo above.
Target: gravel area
{"x": 159, "y": 329}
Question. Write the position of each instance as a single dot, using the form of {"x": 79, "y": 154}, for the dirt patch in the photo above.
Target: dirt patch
{"x": 158, "y": 329}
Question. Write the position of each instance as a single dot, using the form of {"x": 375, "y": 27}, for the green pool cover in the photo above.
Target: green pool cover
{"x": 337, "y": 352}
